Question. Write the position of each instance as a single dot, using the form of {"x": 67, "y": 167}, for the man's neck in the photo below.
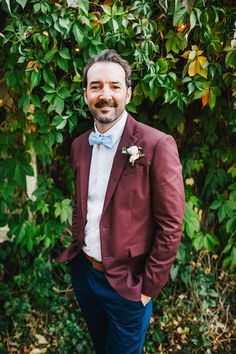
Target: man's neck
{"x": 103, "y": 128}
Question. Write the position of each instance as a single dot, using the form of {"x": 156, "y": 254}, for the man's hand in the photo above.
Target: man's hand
{"x": 145, "y": 299}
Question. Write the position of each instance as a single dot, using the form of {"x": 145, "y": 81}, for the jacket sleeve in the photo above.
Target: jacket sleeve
{"x": 74, "y": 205}
{"x": 168, "y": 210}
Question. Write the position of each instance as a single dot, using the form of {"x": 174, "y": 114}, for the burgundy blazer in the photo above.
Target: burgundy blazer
{"x": 141, "y": 221}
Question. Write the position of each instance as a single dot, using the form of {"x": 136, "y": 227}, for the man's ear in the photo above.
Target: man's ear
{"x": 128, "y": 95}
{"x": 85, "y": 95}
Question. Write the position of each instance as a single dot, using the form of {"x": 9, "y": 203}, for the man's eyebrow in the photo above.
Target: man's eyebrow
{"x": 112, "y": 82}
{"x": 94, "y": 82}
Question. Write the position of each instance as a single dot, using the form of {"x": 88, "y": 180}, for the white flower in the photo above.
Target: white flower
{"x": 133, "y": 158}
{"x": 132, "y": 150}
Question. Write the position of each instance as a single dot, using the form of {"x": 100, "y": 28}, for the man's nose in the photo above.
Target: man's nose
{"x": 105, "y": 93}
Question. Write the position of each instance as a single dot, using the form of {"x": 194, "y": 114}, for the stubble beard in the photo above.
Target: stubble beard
{"x": 109, "y": 117}
{"x": 107, "y": 120}
{"x": 102, "y": 119}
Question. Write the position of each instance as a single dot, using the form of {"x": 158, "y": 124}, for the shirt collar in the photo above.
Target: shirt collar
{"x": 117, "y": 129}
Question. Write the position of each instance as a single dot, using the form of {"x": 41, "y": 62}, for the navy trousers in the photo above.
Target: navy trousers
{"x": 116, "y": 325}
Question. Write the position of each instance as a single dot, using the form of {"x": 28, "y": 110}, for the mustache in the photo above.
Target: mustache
{"x": 105, "y": 103}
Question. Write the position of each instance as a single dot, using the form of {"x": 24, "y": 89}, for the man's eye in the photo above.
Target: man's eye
{"x": 116, "y": 87}
{"x": 93, "y": 87}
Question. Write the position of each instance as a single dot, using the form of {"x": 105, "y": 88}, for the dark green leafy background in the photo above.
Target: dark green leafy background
{"x": 183, "y": 59}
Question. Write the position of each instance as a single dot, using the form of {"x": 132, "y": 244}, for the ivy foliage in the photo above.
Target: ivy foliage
{"x": 183, "y": 58}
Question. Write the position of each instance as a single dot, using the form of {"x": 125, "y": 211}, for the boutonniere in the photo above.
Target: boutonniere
{"x": 134, "y": 152}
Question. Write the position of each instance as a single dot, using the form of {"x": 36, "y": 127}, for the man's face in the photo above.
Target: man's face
{"x": 106, "y": 93}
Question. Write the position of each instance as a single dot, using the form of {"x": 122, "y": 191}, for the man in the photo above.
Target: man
{"x": 127, "y": 215}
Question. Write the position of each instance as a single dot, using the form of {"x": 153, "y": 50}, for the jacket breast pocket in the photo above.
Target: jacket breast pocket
{"x": 133, "y": 170}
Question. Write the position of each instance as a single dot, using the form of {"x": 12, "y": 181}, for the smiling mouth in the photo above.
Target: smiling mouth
{"x": 105, "y": 110}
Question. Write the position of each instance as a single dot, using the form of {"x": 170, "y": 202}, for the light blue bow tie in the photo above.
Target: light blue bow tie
{"x": 106, "y": 140}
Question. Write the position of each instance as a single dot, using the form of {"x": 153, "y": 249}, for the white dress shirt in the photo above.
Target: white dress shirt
{"x": 100, "y": 169}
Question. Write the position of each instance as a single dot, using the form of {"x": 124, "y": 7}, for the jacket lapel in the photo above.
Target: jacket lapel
{"x": 127, "y": 139}
{"x": 86, "y": 155}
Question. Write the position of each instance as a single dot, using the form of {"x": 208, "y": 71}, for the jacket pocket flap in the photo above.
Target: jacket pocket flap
{"x": 133, "y": 170}
{"x": 138, "y": 249}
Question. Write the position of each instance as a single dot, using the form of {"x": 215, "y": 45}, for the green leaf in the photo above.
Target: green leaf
{"x": 58, "y": 105}
{"x": 50, "y": 55}
{"x": 180, "y": 14}
{"x": 172, "y": 115}
{"x": 48, "y": 89}
{"x": 233, "y": 257}
{"x": 49, "y": 97}
{"x": 212, "y": 100}
{"x": 28, "y": 169}
{"x": 230, "y": 59}
{"x": 19, "y": 176}
{"x": 36, "y": 101}
{"x": 191, "y": 221}
{"x": 9, "y": 6}
{"x": 62, "y": 124}
{"x": 175, "y": 41}
{"x": 64, "y": 53}
{"x": 84, "y": 20}
{"x": 64, "y": 92}
{"x": 115, "y": 25}
{"x": 210, "y": 241}
{"x": 59, "y": 138}
{"x": 222, "y": 213}
{"x": 22, "y": 3}
{"x": 226, "y": 261}
{"x": 64, "y": 210}
{"x": 25, "y": 235}
{"x": 131, "y": 107}
{"x": 24, "y": 103}
{"x": 231, "y": 225}
{"x": 207, "y": 241}
{"x": 188, "y": 4}
{"x": 59, "y": 122}
{"x": 37, "y": 7}
{"x": 198, "y": 241}
{"x": 198, "y": 94}
{"x": 56, "y": 121}
{"x": 174, "y": 271}
{"x": 193, "y": 20}
{"x": 10, "y": 78}
{"x": 35, "y": 78}
{"x": 65, "y": 23}
{"x": 228, "y": 246}
{"x": 78, "y": 33}
{"x": 216, "y": 204}
{"x": 72, "y": 3}
{"x": 49, "y": 77}
{"x": 104, "y": 19}
{"x": 163, "y": 65}
{"x": 84, "y": 6}
{"x": 106, "y": 9}
{"x": 63, "y": 64}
